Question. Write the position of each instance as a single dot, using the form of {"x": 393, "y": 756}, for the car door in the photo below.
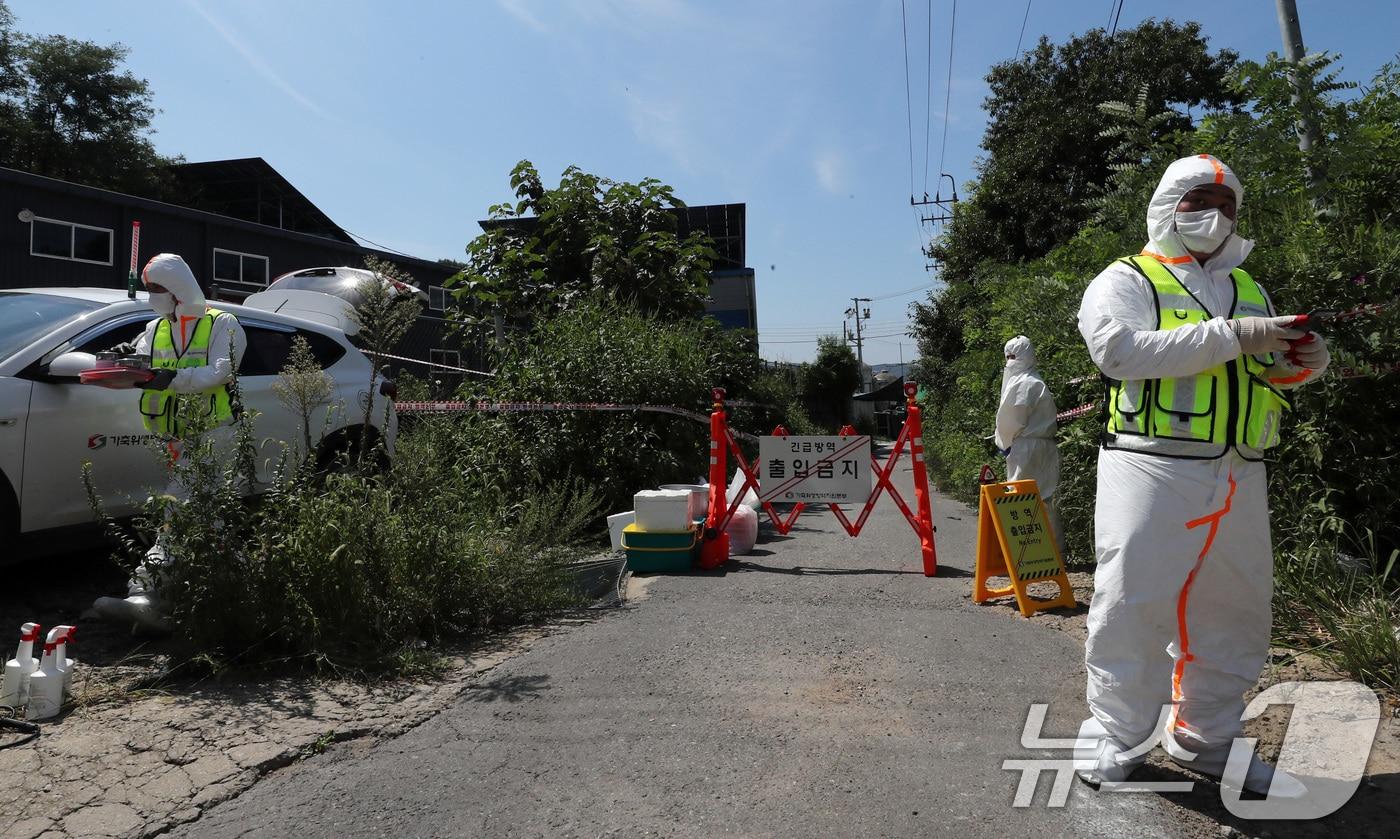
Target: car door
{"x": 269, "y": 345}
{"x": 70, "y": 424}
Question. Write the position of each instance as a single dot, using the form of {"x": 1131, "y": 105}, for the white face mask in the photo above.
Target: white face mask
{"x": 1204, "y": 231}
{"x": 163, "y": 302}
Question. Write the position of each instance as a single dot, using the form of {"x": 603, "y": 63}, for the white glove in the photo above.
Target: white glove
{"x": 1310, "y": 353}
{"x": 1265, "y": 335}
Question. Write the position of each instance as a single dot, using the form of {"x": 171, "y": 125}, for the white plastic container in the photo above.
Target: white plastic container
{"x": 46, "y": 684}
{"x": 65, "y": 664}
{"x": 699, "y": 497}
{"x": 665, "y": 510}
{"x": 616, "y": 522}
{"x": 14, "y": 689}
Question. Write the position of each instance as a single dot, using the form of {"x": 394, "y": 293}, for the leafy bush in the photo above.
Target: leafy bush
{"x": 354, "y": 570}
{"x": 602, "y": 351}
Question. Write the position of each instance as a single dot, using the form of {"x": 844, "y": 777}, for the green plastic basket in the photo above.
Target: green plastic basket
{"x": 660, "y": 550}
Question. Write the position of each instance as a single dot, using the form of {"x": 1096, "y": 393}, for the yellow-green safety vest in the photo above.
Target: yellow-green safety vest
{"x": 160, "y": 409}
{"x": 1202, "y": 416}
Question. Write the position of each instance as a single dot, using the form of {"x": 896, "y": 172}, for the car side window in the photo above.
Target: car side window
{"x": 267, "y": 351}
{"x": 326, "y": 350}
{"x": 122, "y": 333}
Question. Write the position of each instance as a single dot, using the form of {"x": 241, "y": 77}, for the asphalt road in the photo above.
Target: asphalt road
{"x": 821, "y": 686}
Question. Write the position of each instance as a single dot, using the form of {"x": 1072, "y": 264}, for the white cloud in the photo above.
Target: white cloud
{"x": 830, "y": 167}
{"x": 663, "y": 124}
{"x": 256, "y": 61}
{"x": 520, "y": 10}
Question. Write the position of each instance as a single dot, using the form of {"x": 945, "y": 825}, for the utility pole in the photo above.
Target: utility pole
{"x": 855, "y": 312}
{"x": 1308, "y": 137}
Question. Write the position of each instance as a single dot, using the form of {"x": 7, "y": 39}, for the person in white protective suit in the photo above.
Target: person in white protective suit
{"x": 195, "y": 350}
{"x": 1026, "y": 428}
{"x": 1197, "y": 366}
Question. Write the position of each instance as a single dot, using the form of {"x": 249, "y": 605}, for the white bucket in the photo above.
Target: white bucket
{"x": 616, "y": 522}
{"x": 699, "y": 497}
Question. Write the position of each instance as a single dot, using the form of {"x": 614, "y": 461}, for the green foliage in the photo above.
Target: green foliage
{"x": 383, "y": 316}
{"x": 828, "y": 382}
{"x": 68, "y": 110}
{"x": 1048, "y": 154}
{"x": 355, "y": 571}
{"x": 553, "y": 248}
{"x": 602, "y": 351}
{"x": 302, "y": 387}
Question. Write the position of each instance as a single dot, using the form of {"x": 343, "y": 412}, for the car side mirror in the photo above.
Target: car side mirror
{"x": 70, "y": 364}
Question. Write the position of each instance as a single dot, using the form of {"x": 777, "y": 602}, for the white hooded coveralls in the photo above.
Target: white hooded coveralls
{"x": 1180, "y": 615}
{"x": 227, "y": 342}
{"x": 1026, "y": 426}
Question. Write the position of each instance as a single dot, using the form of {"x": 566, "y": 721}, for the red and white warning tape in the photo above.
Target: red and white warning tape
{"x": 432, "y": 364}
{"x": 459, "y": 407}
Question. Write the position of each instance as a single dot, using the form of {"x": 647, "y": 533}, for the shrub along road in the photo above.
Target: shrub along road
{"x": 820, "y": 686}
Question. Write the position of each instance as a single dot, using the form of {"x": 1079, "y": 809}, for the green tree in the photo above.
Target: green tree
{"x": 828, "y": 382}
{"x": 552, "y": 248}
{"x": 1047, "y": 156}
{"x": 69, "y": 110}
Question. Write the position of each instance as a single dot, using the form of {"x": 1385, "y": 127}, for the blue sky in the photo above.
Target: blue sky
{"x": 403, "y": 120}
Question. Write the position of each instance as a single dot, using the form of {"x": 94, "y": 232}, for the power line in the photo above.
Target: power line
{"x": 908, "y": 106}
{"x": 1115, "y": 16}
{"x": 381, "y": 247}
{"x": 928, "y": 98}
{"x": 952, "y": 28}
{"x": 1024, "y": 18}
{"x": 911, "y": 290}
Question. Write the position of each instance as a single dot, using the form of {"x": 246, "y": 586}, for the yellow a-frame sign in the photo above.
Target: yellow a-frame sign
{"x": 1014, "y": 540}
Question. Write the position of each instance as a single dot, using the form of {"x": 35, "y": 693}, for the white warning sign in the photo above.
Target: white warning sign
{"x": 814, "y": 469}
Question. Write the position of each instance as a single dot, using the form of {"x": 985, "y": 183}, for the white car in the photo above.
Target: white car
{"x": 50, "y": 424}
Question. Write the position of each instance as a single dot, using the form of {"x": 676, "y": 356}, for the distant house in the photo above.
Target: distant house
{"x": 240, "y": 225}
{"x": 731, "y": 300}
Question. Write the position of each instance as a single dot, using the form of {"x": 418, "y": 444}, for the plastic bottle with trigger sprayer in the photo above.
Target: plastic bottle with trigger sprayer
{"x": 14, "y": 691}
{"x": 46, "y": 683}
{"x": 65, "y": 664}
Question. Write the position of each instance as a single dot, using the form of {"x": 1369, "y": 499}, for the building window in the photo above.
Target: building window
{"x": 437, "y": 298}
{"x": 67, "y": 240}
{"x": 244, "y": 268}
{"x": 448, "y": 358}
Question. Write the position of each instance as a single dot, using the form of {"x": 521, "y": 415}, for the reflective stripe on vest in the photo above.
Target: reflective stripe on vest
{"x": 161, "y": 409}
{"x": 1204, "y": 415}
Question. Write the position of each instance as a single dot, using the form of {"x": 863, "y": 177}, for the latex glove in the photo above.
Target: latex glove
{"x": 124, "y": 348}
{"x": 1259, "y": 336}
{"x": 1310, "y": 352}
{"x": 160, "y": 381}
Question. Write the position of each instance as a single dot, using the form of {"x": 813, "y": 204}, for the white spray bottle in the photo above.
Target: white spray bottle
{"x": 14, "y": 690}
{"x": 46, "y": 683}
{"x": 65, "y": 664}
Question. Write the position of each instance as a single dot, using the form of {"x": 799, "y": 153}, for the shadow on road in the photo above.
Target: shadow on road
{"x": 744, "y": 565}
{"x": 507, "y": 689}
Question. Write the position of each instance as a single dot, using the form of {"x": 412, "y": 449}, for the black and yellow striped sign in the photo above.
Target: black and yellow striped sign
{"x": 1014, "y": 540}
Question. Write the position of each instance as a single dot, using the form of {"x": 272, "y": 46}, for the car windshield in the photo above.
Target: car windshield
{"x": 25, "y": 318}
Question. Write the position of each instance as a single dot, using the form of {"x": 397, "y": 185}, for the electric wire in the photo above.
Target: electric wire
{"x": 952, "y": 29}
{"x": 1024, "y": 18}
{"x": 928, "y": 97}
{"x": 1113, "y": 15}
{"x": 908, "y": 101}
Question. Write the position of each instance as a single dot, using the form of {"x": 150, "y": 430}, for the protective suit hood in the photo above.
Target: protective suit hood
{"x": 1181, "y": 177}
{"x": 169, "y": 270}
{"x": 1020, "y": 355}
